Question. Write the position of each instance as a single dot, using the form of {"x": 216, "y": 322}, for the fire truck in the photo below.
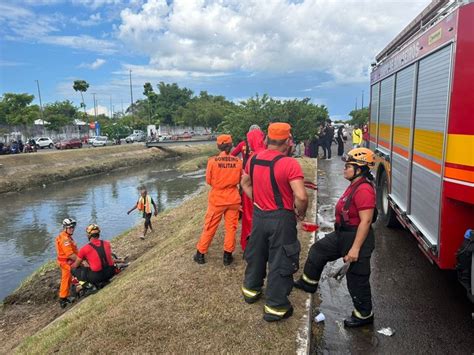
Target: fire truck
{"x": 422, "y": 129}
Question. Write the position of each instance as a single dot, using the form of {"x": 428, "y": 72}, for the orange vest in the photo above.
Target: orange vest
{"x": 223, "y": 174}
{"x": 65, "y": 247}
{"x": 144, "y": 204}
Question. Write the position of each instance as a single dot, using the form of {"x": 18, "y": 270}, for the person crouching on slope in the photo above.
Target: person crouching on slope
{"x": 144, "y": 204}
{"x": 66, "y": 249}
{"x": 98, "y": 255}
{"x": 223, "y": 175}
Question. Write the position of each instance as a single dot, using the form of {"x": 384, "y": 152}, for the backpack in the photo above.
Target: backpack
{"x": 464, "y": 260}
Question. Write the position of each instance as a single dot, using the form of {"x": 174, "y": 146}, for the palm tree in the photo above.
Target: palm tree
{"x": 81, "y": 86}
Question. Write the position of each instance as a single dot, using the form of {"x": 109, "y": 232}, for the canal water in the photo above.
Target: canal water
{"x": 30, "y": 221}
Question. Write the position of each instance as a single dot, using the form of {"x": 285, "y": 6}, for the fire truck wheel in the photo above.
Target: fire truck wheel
{"x": 386, "y": 213}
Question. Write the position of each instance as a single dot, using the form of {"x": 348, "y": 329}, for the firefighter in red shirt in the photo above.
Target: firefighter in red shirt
{"x": 275, "y": 183}
{"x": 98, "y": 255}
{"x": 223, "y": 175}
{"x": 353, "y": 238}
{"x": 66, "y": 249}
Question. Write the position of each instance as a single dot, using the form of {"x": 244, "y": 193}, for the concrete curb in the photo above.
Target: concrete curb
{"x": 305, "y": 331}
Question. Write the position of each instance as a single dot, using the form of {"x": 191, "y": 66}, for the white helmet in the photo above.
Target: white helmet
{"x": 69, "y": 222}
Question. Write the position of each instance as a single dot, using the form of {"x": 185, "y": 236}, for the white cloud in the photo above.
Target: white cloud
{"x": 339, "y": 38}
{"x": 21, "y": 24}
{"x": 96, "y": 3}
{"x": 94, "y": 65}
{"x": 7, "y": 63}
{"x": 100, "y": 110}
{"x": 92, "y": 20}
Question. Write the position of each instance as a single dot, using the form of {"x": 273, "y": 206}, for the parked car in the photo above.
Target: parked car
{"x": 135, "y": 137}
{"x": 185, "y": 135}
{"x": 69, "y": 144}
{"x": 43, "y": 142}
{"x": 100, "y": 141}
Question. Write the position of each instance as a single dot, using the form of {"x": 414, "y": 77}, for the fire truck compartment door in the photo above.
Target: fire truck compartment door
{"x": 428, "y": 146}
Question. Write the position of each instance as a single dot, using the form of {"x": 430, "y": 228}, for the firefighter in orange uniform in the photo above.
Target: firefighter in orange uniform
{"x": 223, "y": 175}
{"x": 67, "y": 253}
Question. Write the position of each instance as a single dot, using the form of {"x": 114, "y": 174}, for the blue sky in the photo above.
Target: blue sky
{"x": 289, "y": 49}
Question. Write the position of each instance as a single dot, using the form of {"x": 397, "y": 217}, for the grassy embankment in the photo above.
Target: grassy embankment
{"x": 165, "y": 302}
{"x": 22, "y": 171}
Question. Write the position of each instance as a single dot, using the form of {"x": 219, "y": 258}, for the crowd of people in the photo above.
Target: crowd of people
{"x": 261, "y": 182}
{"x": 272, "y": 199}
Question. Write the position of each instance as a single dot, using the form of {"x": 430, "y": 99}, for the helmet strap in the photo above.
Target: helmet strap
{"x": 356, "y": 175}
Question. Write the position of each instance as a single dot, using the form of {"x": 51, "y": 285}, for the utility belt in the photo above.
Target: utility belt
{"x": 345, "y": 228}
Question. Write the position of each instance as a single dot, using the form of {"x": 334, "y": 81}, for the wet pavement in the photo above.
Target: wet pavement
{"x": 31, "y": 220}
{"x": 425, "y": 306}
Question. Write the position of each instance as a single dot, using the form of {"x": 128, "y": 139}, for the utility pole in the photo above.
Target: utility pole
{"x": 95, "y": 106}
{"x": 131, "y": 92}
{"x": 121, "y": 101}
{"x": 41, "y": 103}
{"x": 110, "y": 112}
{"x": 356, "y": 104}
{"x": 362, "y": 99}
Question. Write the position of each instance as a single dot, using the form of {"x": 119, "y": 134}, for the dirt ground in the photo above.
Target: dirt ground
{"x": 164, "y": 302}
{"x": 23, "y": 171}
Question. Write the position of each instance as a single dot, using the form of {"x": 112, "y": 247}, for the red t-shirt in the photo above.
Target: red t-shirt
{"x": 286, "y": 169}
{"x": 90, "y": 254}
{"x": 363, "y": 199}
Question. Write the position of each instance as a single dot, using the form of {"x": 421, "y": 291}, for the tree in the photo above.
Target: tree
{"x": 60, "y": 114}
{"x": 81, "y": 86}
{"x": 16, "y": 109}
{"x": 359, "y": 117}
{"x": 169, "y": 100}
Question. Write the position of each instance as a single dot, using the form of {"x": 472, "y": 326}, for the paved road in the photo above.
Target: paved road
{"x": 425, "y": 306}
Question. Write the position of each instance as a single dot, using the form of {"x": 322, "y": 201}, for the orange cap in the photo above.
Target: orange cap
{"x": 279, "y": 130}
{"x": 224, "y": 139}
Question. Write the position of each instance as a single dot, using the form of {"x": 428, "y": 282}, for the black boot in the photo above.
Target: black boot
{"x": 353, "y": 321}
{"x": 270, "y": 317}
{"x": 228, "y": 258}
{"x": 64, "y": 302}
{"x": 303, "y": 285}
{"x": 199, "y": 258}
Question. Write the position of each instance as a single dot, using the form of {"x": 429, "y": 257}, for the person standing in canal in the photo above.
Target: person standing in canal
{"x": 275, "y": 183}
{"x": 223, "y": 175}
{"x": 66, "y": 249}
{"x": 353, "y": 238}
{"x": 144, "y": 203}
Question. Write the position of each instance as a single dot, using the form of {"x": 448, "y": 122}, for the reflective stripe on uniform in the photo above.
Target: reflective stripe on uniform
{"x": 250, "y": 293}
{"x": 360, "y": 316}
{"x": 308, "y": 280}
{"x": 278, "y": 312}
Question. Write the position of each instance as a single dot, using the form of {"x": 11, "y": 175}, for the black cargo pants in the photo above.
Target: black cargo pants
{"x": 273, "y": 240}
{"x": 336, "y": 245}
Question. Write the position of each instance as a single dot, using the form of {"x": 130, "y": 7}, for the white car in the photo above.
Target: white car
{"x": 43, "y": 142}
{"x": 100, "y": 141}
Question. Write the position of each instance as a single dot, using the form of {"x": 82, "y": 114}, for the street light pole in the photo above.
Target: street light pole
{"x": 131, "y": 92}
{"x": 362, "y": 99}
{"x": 41, "y": 103}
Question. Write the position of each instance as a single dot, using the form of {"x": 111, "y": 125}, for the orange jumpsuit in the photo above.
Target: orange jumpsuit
{"x": 65, "y": 247}
{"x": 223, "y": 174}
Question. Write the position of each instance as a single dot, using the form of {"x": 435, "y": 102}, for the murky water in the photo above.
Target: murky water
{"x": 30, "y": 221}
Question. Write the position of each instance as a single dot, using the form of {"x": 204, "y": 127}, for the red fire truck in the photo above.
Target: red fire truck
{"x": 422, "y": 129}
